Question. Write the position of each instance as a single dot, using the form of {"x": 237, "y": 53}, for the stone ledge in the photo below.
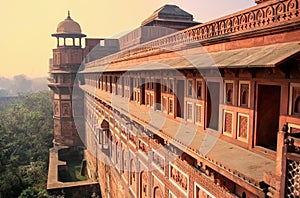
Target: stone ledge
{"x": 54, "y": 163}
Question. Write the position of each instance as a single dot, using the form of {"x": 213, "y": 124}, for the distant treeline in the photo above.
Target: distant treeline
{"x": 21, "y": 84}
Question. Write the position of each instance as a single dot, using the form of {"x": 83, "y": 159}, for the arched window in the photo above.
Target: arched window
{"x": 189, "y": 88}
{"x": 117, "y": 152}
{"x": 123, "y": 162}
{"x": 229, "y": 96}
{"x": 244, "y": 99}
{"x": 104, "y": 124}
{"x": 132, "y": 172}
{"x": 244, "y": 91}
{"x": 199, "y": 89}
{"x": 244, "y": 195}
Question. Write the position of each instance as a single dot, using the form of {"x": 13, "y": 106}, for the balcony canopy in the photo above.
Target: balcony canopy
{"x": 255, "y": 57}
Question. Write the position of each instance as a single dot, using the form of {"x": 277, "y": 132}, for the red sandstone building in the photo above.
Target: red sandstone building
{"x": 181, "y": 109}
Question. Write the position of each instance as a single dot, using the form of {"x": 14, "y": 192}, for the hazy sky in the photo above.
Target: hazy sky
{"x": 26, "y": 26}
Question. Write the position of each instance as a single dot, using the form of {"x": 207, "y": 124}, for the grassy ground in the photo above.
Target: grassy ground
{"x": 74, "y": 167}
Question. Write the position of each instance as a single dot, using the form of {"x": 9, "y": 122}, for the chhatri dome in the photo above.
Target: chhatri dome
{"x": 66, "y": 30}
{"x": 68, "y": 26}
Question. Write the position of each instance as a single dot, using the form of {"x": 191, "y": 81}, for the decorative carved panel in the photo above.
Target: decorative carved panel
{"x": 57, "y": 128}
{"x": 228, "y": 116}
{"x": 243, "y": 126}
{"x": 165, "y": 102}
{"x": 66, "y": 109}
{"x": 189, "y": 111}
{"x": 56, "y": 108}
{"x": 178, "y": 177}
{"x": 171, "y": 106}
{"x": 198, "y": 113}
{"x": 200, "y": 192}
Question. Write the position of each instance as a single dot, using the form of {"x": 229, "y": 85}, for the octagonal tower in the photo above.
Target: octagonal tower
{"x": 67, "y": 58}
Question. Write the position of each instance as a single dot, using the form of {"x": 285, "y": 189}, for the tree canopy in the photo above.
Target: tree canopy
{"x": 26, "y": 133}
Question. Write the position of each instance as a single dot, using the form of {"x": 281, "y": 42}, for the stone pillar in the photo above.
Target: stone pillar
{"x": 276, "y": 179}
{"x": 281, "y": 162}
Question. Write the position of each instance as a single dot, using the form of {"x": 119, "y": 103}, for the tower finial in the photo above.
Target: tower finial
{"x": 69, "y": 17}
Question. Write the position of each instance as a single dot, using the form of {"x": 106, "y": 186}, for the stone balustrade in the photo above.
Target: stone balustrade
{"x": 261, "y": 16}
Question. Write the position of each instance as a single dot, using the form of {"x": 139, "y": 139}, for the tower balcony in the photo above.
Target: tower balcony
{"x": 53, "y": 84}
{"x": 64, "y": 68}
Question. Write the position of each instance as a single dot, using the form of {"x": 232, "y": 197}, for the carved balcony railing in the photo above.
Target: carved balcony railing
{"x": 261, "y": 16}
{"x": 292, "y": 180}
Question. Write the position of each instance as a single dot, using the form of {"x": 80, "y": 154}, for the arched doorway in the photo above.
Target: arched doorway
{"x": 143, "y": 185}
{"x": 104, "y": 137}
{"x": 132, "y": 178}
{"x": 157, "y": 192}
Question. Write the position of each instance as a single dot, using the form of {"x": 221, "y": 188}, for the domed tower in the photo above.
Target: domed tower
{"x": 67, "y": 58}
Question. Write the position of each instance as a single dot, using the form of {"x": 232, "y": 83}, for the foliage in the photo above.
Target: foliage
{"x": 26, "y": 129}
{"x": 34, "y": 192}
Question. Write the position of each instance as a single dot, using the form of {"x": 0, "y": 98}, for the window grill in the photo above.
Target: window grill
{"x": 293, "y": 179}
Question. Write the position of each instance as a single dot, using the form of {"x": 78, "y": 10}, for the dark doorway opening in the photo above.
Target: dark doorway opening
{"x": 142, "y": 187}
{"x": 116, "y": 85}
{"x": 110, "y": 84}
{"x": 143, "y": 92}
{"x": 213, "y": 101}
{"x": 131, "y": 88}
{"x": 268, "y": 111}
{"x": 157, "y": 91}
{"x": 180, "y": 98}
{"x": 122, "y": 85}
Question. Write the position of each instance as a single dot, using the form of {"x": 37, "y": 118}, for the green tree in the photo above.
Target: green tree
{"x": 34, "y": 192}
{"x": 26, "y": 133}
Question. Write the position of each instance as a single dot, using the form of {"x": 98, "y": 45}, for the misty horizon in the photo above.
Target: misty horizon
{"x": 28, "y": 76}
{"x": 21, "y": 84}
